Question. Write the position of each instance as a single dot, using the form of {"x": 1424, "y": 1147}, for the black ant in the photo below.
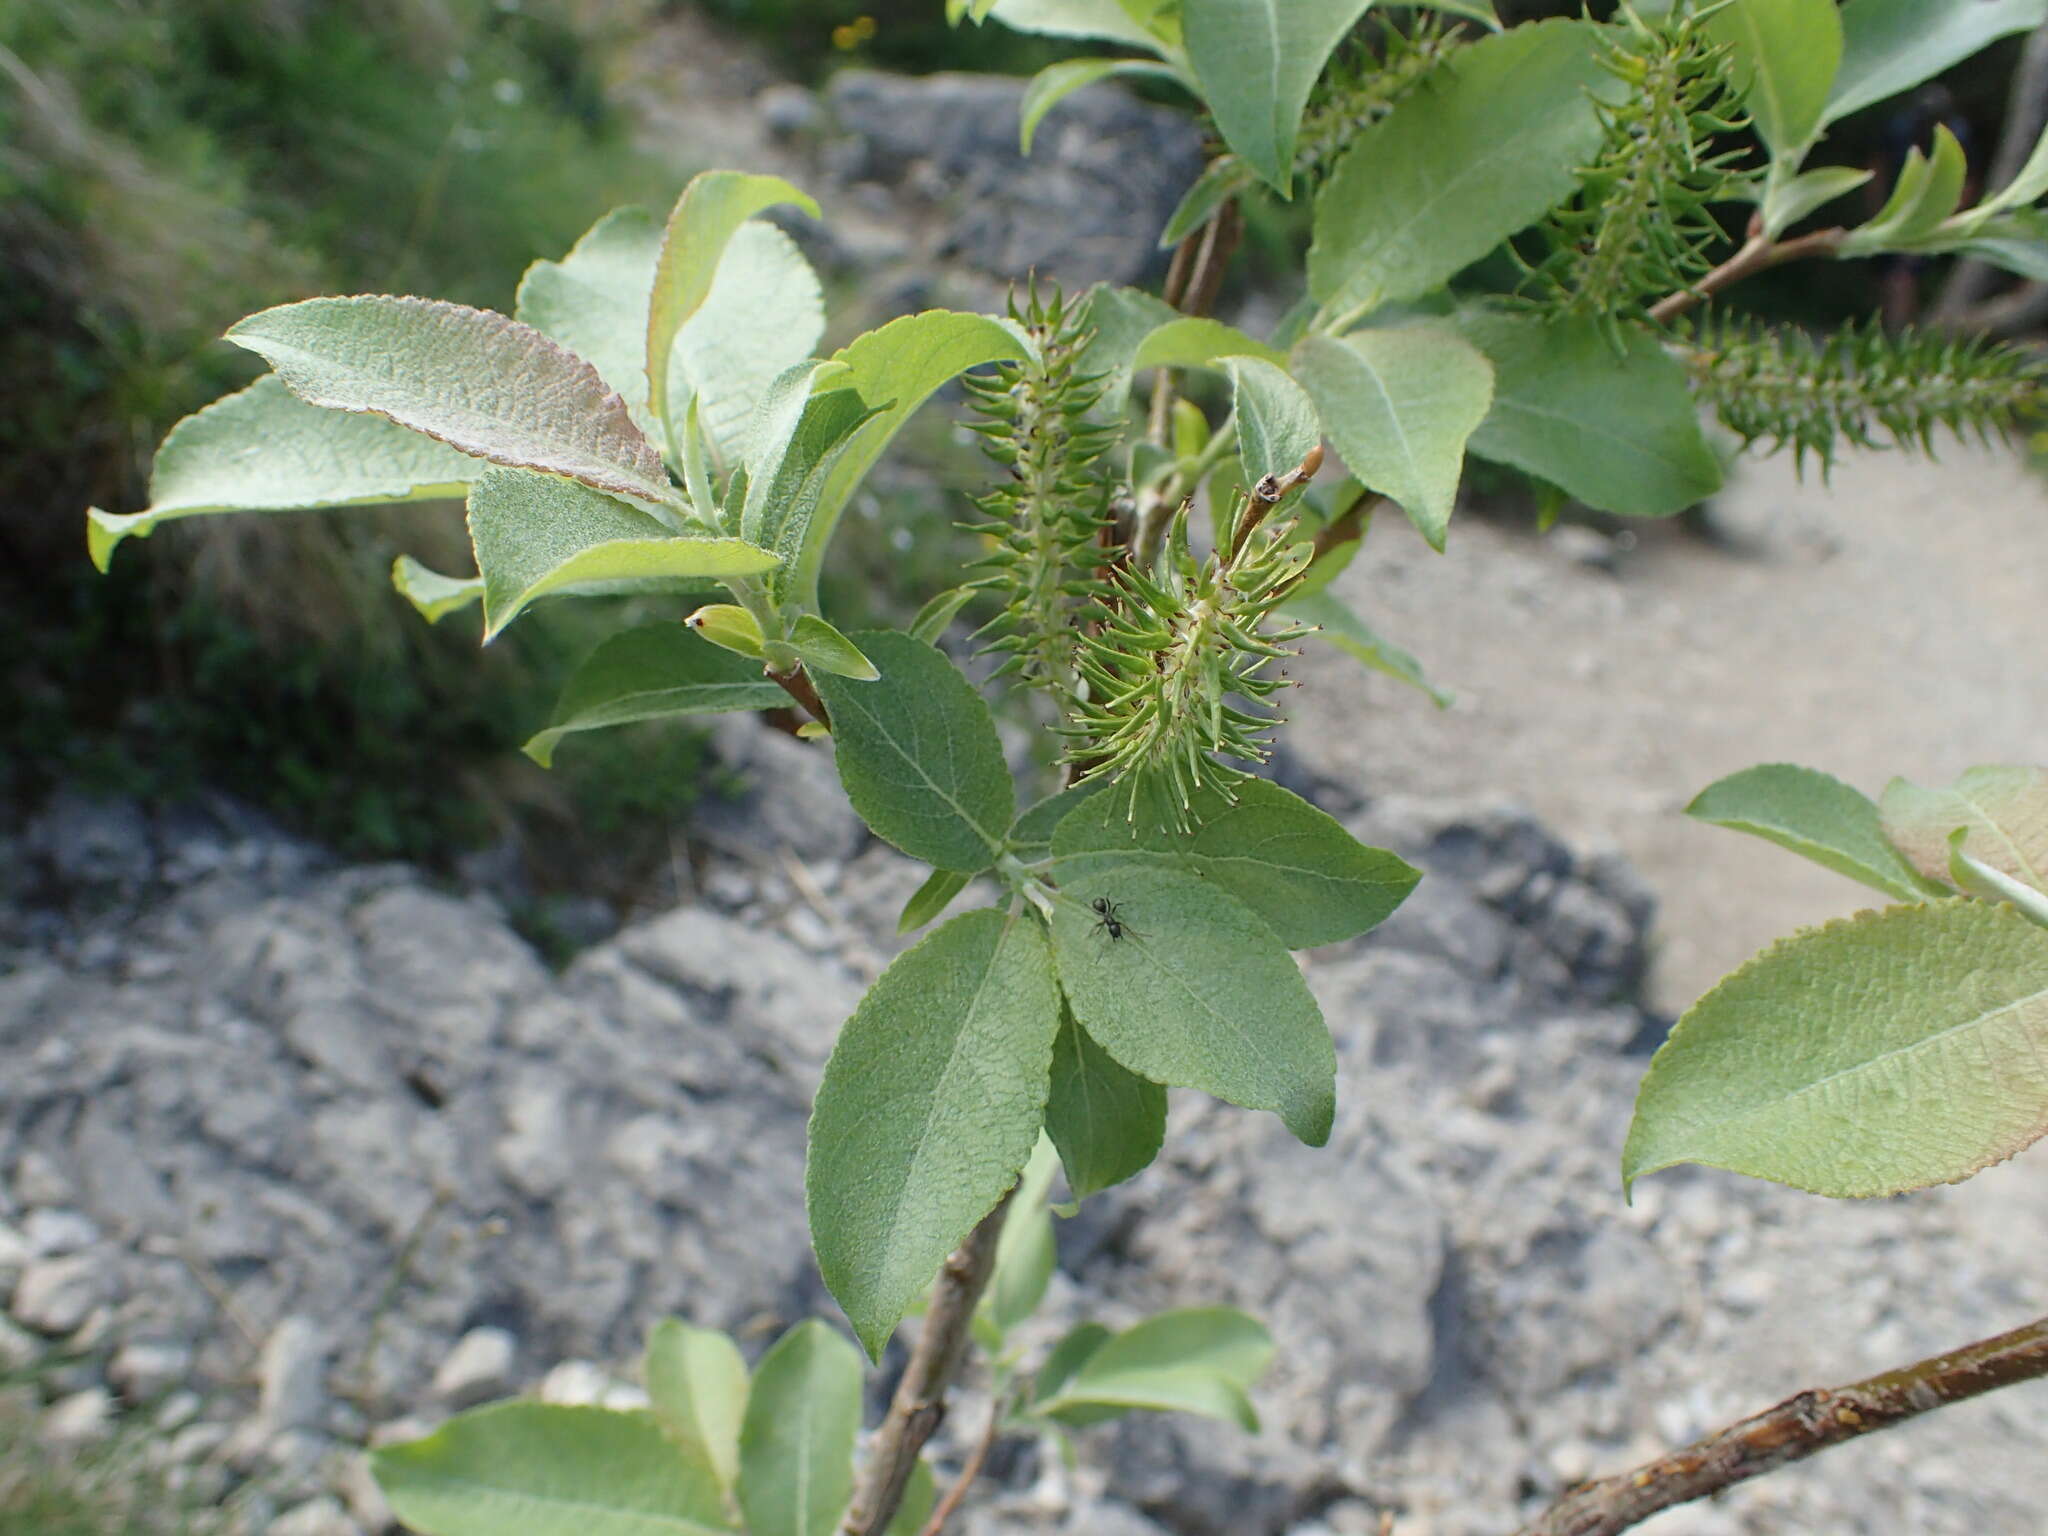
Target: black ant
{"x": 1109, "y": 917}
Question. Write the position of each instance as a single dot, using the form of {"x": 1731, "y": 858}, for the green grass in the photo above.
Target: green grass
{"x": 105, "y": 1490}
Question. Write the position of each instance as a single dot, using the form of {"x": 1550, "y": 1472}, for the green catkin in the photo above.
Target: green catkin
{"x": 1361, "y": 86}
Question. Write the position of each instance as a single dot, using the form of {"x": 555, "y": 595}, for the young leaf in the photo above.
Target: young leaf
{"x": 713, "y": 206}
{"x": 594, "y": 302}
{"x": 928, "y": 1111}
{"x": 805, "y": 423}
{"x": 1257, "y": 61}
{"x": 264, "y": 450}
{"x": 1056, "y": 82}
{"x": 1492, "y": 146}
{"x": 434, "y": 595}
{"x": 1927, "y": 191}
{"x": 697, "y": 1383}
{"x": 1816, "y": 816}
{"x": 1031, "y": 835}
{"x": 1306, "y": 878}
{"x": 1074, "y": 18}
{"x": 1276, "y": 420}
{"x": 1196, "y": 993}
{"x": 2004, "y": 806}
{"x": 1194, "y": 341}
{"x": 1224, "y": 178}
{"x": 731, "y": 628}
{"x": 1026, "y": 1253}
{"x": 1889, "y": 46}
{"x": 898, "y": 367}
{"x": 1198, "y": 1360}
{"x": 931, "y": 898}
{"x": 824, "y": 649}
{"x": 654, "y": 672}
{"x": 1399, "y": 406}
{"x": 1884, "y": 1052}
{"x": 919, "y": 756}
{"x": 1343, "y": 628}
{"x": 1066, "y": 1357}
{"x": 930, "y": 624}
{"x": 1785, "y": 55}
{"x": 1616, "y": 430}
{"x": 1108, "y": 1123}
{"x": 1974, "y": 876}
{"x": 544, "y": 1470}
{"x": 764, "y": 314}
{"x": 919, "y": 1495}
{"x": 1788, "y": 201}
{"x": 796, "y": 1443}
{"x": 1121, "y": 319}
{"x": 476, "y": 380}
{"x": 535, "y": 534}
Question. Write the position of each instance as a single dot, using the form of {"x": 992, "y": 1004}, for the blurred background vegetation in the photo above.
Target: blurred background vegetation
{"x": 169, "y": 165}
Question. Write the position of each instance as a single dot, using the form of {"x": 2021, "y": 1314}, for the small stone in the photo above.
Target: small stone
{"x": 145, "y": 1368}
{"x": 52, "y": 1234}
{"x": 293, "y": 1373}
{"x": 398, "y": 1431}
{"x": 14, "y": 1253}
{"x": 316, "y": 1517}
{"x": 1571, "y": 1461}
{"x": 178, "y": 1410}
{"x": 810, "y": 930}
{"x": 196, "y": 1442}
{"x": 56, "y": 1295}
{"x": 478, "y": 1368}
{"x": 39, "y": 1181}
{"x": 584, "y": 1384}
{"x": 789, "y": 111}
{"x": 357, "y": 1485}
{"x": 80, "y": 1419}
{"x": 19, "y": 1349}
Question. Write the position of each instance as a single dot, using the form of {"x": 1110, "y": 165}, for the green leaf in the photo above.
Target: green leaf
{"x": 805, "y": 423}
{"x": 1031, "y": 835}
{"x": 1056, "y": 82}
{"x": 434, "y": 595}
{"x": 535, "y": 534}
{"x": 1066, "y": 1357}
{"x": 712, "y": 208}
{"x": 264, "y": 449}
{"x": 1786, "y": 53}
{"x": 1198, "y": 1360}
{"x": 1074, "y": 18}
{"x": 1881, "y": 1053}
{"x": 474, "y": 379}
{"x": 764, "y": 314}
{"x": 2017, "y": 242}
{"x": 931, "y": 898}
{"x": 1477, "y": 10}
{"x": 1974, "y": 876}
{"x": 1344, "y": 629}
{"x": 1617, "y": 430}
{"x": 898, "y": 367}
{"x": 1198, "y": 993}
{"x": 928, "y": 1111}
{"x": 2004, "y": 806}
{"x": 1816, "y": 816}
{"x": 932, "y": 619}
{"x": 1224, "y": 178}
{"x": 1276, "y": 420}
{"x": 1026, "y": 1253}
{"x": 1119, "y": 320}
{"x": 594, "y": 302}
{"x": 697, "y": 1383}
{"x": 1399, "y": 406}
{"x": 1891, "y": 46}
{"x": 919, "y": 1495}
{"x": 796, "y": 1443}
{"x": 1305, "y": 877}
{"x": 919, "y": 756}
{"x": 1257, "y": 61}
{"x": 1193, "y": 341}
{"x": 1492, "y": 146}
{"x": 654, "y": 672}
{"x": 1108, "y": 1123}
{"x": 543, "y": 1470}
{"x": 1927, "y": 191}
{"x": 1788, "y": 201}
{"x": 731, "y": 628}
{"x": 824, "y": 649}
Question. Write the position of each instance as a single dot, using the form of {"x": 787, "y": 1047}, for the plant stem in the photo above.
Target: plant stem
{"x": 1807, "y": 1422}
{"x": 1758, "y": 254}
{"x": 919, "y": 1405}
{"x": 969, "y": 1470}
{"x": 798, "y": 685}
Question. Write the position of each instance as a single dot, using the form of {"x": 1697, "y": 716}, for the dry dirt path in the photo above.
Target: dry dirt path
{"x": 1893, "y": 622}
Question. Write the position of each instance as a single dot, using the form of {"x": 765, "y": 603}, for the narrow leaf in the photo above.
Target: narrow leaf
{"x": 919, "y": 756}
{"x": 1224, "y": 178}
{"x": 796, "y": 1443}
{"x": 1974, "y": 876}
{"x": 1816, "y": 816}
{"x": 1108, "y": 1123}
{"x": 264, "y": 449}
{"x": 1617, "y": 430}
{"x": 933, "y": 618}
{"x": 1492, "y": 146}
{"x": 1197, "y": 993}
{"x": 804, "y": 425}
{"x": 1199, "y": 1360}
{"x": 928, "y": 1110}
{"x": 712, "y": 208}
{"x": 1786, "y": 53}
{"x": 1257, "y": 61}
{"x": 1886, "y": 1052}
{"x": 931, "y": 898}
{"x": 2003, "y": 806}
{"x": 919, "y": 1495}
{"x": 535, "y": 534}
{"x": 1343, "y": 628}
{"x": 697, "y": 1383}
{"x": 824, "y": 649}
{"x": 1026, "y": 1253}
{"x": 655, "y": 672}
{"x": 1306, "y": 878}
{"x": 1890, "y": 46}
{"x": 1056, "y": 82}
{"x": 1276, "y": 420}
{"x": 1194, "y": 341}
{"x": 487, "y": 385}
{"x": 1399, "y": 406}
{"x": 544, "y": 1470}
{"x": 434, "y": 595}
{"x": 1787, "y": 202}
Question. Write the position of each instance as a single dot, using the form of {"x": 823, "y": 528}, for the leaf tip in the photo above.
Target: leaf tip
{"x": 104, "y": 531}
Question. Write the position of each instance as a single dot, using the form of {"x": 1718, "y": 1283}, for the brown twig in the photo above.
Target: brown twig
{"x": 919, "y": 1405}
{"x": 1805, "y": 1423}
{"x": 1758, "y": 254}
{"x": 969, "y": 1470}
{"x": 798, "y": 685}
